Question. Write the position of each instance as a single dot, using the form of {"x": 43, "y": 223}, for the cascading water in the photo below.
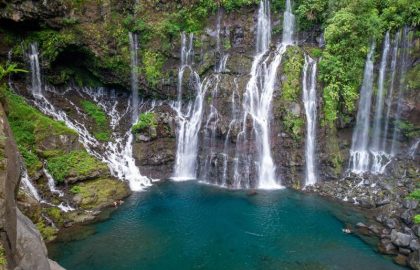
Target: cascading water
{"x": 257, "y": 103}
{"x": 29, "y": 187}
{"x": 377, "y": 152}
{"x": 189, "y": 117}
{"x": 359, "y": 154}
{"x": 117, "y": 153}
{"x": 36, "y": 86}
{"x": 134, "y": 75}
{"x": 394, "y": 61}
{"x": 309, "y": 101}
{"x": 51, "y": 184}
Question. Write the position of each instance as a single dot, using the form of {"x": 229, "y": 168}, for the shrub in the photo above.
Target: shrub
{"x": 146, "y": 120}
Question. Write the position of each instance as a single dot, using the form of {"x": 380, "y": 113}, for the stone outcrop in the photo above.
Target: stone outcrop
{"x": 24, "y": 246}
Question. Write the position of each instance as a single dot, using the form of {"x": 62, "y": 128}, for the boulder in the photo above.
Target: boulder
{"x": 400, "y": 239}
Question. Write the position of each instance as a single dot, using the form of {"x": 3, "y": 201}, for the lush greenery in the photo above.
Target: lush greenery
{"x": 146, "y": 120}
{"x": 350, "y": 27}
{"x": 98, "y": 115}
{"x": 417, "y": 219}
{"x": 79, "y": 164}
{"x": 415, "y": 195}
{"x": 32, "y": 130}
{"x": 291, "y": 90}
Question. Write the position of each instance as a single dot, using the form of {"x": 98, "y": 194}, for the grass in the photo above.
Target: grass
{"x": 74, "y": 164}
{"x": 417, "y": 219}
{"x": 98, "y": 115}
{"x": 48, "y": 233}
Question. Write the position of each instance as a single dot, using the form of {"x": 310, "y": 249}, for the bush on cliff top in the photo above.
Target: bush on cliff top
{"x": 146, "y": 120}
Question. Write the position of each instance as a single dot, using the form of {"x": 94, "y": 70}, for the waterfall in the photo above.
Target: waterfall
{"x": 405, "y": 47}
{"x": 359, "y": 154}
{"x": 413, "y": 149}
{"x": 309, "y": 101}
{"x": 375, "y": 148}
{"x": 134, "y": 75}
{"x": 51, "y": 184}
{"x": 288, "y": 24}
{"x": 29, "y": 187}
{"x": 117, "y": 153}
{"x": 36, "y": 86}
{"x": 391, "y": 89}
{"x": 190, "y": 116}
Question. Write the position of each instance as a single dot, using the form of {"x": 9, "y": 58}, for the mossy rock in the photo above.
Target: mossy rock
{"x": 99, "y": 193}
{"x": 76, "y": 166}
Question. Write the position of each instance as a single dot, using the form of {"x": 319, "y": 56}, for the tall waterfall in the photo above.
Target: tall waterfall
{"x": 257, "y": 103}
{"x": 134, "y": 75}
{"x": 36, "y": 86}
{"x": 359, "y": 154}
{"x": 309, "y": 100}
{"x": 376, "y": 144}
{"x": 190, "y": 116}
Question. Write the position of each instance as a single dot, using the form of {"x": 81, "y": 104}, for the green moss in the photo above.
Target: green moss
{"x": 56, "y": 215}
{"x": 30, "y": 128}
{"x": 3, "y": 260}
{"x": 48, "y": 233}
{"x": 292, "y": 70}
{"x": 152, "y": 66}
{"x": 417, "y": 219}
{"x": 99, "y": 193}
{"x": 146, "y": 120}
{"x": 415, "y": 195}
{"x": 294, "y": 125}
{"x": 75, "y": 190}
{"x": 408, "y": 129}
{"x": 74, "y": 164}
{"x": 101, "y": 122}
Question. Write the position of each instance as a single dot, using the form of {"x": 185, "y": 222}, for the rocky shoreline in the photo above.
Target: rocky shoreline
{"x": 389, "y": 202}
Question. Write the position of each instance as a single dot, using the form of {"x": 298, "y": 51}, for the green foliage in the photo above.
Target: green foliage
{"x": 292, "y": 70}
{"x": 348, "y": 35}
{"x": 74, "y": 164}
{"x": 146, "y": 120}
{"x": 407, "y": 129}
{"x": 415, "y": 195}
{"x": 417, "y": 219}
{"x": 101, "y": 122}
{"x": 9, "y": 69}
{"x": 75, "y": 190}
{"x": 3, "y": 260}
{"x": 311, "y": 12}
{"x": 52, "y": 42}
{"x": 48, "y": 233}
{"x": 294, "y": 125}
{"x": 55, "y": 214}
{"x": 30, "y": 128}
{"x": 152, "y": 66}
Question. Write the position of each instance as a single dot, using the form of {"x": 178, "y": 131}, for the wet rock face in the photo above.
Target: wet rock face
{"x": 154, "y": 148}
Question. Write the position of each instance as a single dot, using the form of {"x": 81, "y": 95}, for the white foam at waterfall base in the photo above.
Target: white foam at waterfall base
{"x": 309, "y": 101}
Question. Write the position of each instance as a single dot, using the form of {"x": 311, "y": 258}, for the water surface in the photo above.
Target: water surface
{"x": 192, "y": 226}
